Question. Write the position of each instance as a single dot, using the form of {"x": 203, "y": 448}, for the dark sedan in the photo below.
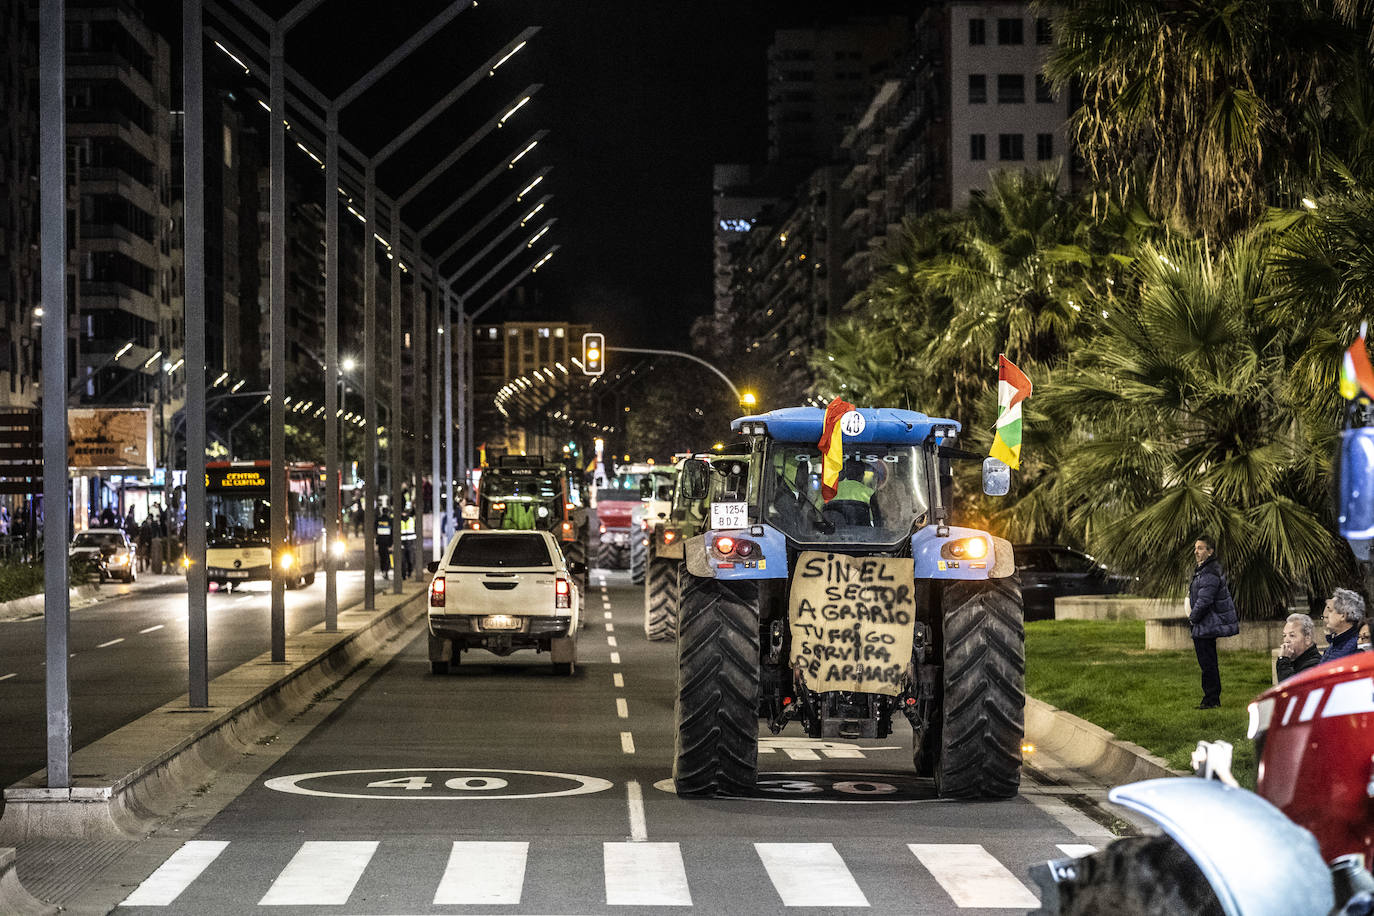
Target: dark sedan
{"x": 1049, "y": 572}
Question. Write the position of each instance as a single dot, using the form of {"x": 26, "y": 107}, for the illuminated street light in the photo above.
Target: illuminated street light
{"x": 529, "y": 187}
{"x": 521, "y": 154}
{"x": 748, "y": 399}
{"x": 513, "y": 50}
{"x": 530, "y": 215}
{"x": 152, "y": 359}
{"x": 506, "y": 117}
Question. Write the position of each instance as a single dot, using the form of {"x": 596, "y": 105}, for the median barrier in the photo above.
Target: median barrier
{"x": 14, "y": 900}
{"x": 1254, "y": 636}
{"x": 1090, "y": 749}
{"x": 134, "y": 777}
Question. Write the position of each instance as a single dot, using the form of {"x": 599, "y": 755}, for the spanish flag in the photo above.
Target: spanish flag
{"x": 1357, "y": 378}
{"x": 832, "y": 447}
{"x": 1012, "y": 388}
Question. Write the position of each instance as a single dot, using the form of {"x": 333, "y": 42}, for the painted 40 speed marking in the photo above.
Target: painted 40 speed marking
{"x": 428, "y": 784}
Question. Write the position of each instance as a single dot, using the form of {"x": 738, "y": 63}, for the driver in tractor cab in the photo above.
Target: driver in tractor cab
{"x": 853, "y": 499}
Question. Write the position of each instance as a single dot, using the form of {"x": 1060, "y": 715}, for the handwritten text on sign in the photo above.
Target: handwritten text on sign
{"x": 852, "y": 621}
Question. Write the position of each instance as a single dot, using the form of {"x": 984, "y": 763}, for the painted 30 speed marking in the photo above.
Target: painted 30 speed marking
{"x": 439, "y": 784}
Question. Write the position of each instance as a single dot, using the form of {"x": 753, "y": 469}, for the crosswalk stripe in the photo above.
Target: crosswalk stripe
{"x": 972, "y": 876}
{"x": 1077, "y": 850}
{"x": 848, "y": 752}
{"x": 321, "y": 873}
{"x": 810, "y": 874}
{"x": 483, "y": 872}
{"x": 801, "y": 753}
{"x": 645, "y": 874}
{"x": 172, "y": 877}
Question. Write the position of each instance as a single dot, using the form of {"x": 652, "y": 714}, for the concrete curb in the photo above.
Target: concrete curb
{"x": 14, "y": 900}
{"x": 135, "y": 776}
{"x": 82, "y": 596}
{"x": 1090, "y": 749}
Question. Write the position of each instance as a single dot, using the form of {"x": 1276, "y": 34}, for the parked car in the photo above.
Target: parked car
{"x": 1049, "y": 571}
{"x": 107, "y": 552}
{"x": 501, "y": 591}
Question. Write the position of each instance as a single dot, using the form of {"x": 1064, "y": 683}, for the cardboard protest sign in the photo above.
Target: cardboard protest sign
{"x": 852, "y": 621}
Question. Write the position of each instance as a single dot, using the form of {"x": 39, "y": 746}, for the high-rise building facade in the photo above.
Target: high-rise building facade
{"x": 818, "y": 77}
{"x": 504, "y": 352}
{"x": 119, "y": 128}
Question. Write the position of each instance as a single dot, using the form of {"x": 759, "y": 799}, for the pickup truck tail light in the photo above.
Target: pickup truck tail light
{"x": 562, "y": 594}
{"x": 437, "y": 590}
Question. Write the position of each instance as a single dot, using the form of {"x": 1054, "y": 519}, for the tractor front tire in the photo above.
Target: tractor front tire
{"x": 975, "y": 750}
{"x": 661, "y": 596}
{"x": 1133, "y": 876}
{"x": 716, "y": 751}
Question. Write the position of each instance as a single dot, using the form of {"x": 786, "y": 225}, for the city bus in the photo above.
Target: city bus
{"x": 238, "y": 498}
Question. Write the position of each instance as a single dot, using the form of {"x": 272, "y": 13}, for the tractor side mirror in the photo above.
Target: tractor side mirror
{"x": 696, "y": 480}
{"x": 577, "y": 567}
{"x": 432, "y": 566}
{"x": 996, "y": 477}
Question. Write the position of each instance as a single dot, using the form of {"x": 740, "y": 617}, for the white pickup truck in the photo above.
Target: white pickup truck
{"x": 502, "y": 591}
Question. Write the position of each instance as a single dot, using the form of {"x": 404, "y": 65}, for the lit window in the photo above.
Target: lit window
{"x": 543, "y": 332}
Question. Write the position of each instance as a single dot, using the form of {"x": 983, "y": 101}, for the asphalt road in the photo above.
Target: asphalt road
{"x": 504, "y": 788}
{"x": 128, "y": 657}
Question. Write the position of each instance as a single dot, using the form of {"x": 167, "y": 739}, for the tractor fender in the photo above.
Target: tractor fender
{"x": 694, "y": 552}
{"x": 1258, "y": 862}
{"x": 1005, "y": 560}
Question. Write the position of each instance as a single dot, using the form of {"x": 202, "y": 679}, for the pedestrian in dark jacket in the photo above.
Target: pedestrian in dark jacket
{"x": 1343, "y": 615}
{"x": 1299, "y": 651}
{"x": 1212, "y": 614}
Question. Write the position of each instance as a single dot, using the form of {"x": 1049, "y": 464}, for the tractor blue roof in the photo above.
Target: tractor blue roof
{"x": 884, "y": 425}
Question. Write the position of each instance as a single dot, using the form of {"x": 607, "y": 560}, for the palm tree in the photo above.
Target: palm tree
{"x": 1193, "y": 414}
{"x": 1212, "y": 109}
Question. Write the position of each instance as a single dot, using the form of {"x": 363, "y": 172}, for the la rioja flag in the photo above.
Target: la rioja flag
{"x": 1012, "y": 388}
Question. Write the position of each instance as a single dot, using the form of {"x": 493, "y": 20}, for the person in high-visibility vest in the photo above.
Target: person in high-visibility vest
{"x": 853, "y": 495}
{"x": 407, "y": 543}
{"x": 384, "y": 542}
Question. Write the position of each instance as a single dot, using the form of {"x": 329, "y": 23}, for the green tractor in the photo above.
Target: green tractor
{"x": 727, "y": 477}
{"x": 843, "y": 613}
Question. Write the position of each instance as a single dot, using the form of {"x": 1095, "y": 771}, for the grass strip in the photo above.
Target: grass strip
{"x": 1100, "y": 671}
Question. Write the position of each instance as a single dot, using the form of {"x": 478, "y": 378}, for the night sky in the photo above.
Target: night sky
{"x": 641, "y": 98}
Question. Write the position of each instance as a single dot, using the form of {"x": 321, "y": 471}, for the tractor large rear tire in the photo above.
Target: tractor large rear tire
{"x": 576, "y": 552}
{"x": 717, "y": 750}
{"x": 978, "y": 739}
{"x": 661, "y": 595}
{"x": 639, "y": 552}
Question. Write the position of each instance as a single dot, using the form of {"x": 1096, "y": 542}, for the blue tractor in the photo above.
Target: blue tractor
{"x": 794, "y": 606}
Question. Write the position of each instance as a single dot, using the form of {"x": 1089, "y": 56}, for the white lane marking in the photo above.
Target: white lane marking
{"x": 847, "y": 752}
{"x": 810, "y": 874}
{"x": 645, "y": 874}
{"x": 615, "y": 658}
{"x": 616, "y": 679}
{"x": 610, "y": 641}
{"x": 801, "y": 753}
{"x": 182, "y": 867}
{"x": 483, "y": 872}
{"x": 607, "y": 615}
{"x": 610, "y": 627}
{"x": 972, "y": 876}
{"x": 6, "y": 677}
{"x": 627, "y": 742}
{"x": 150, "y": 629}
{"x": 321, "y": 873}
{"x": 621, "y": 709}
{"x": 1077, "y": 850}
{"x": 634, "y": 798}
{"x": 113, "y": 642}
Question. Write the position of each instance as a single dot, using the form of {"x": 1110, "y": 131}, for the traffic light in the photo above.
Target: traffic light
{"x": 593, "y": 353}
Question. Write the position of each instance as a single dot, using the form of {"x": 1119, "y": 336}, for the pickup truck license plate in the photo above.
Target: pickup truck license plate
{"x": 500, "y": 622}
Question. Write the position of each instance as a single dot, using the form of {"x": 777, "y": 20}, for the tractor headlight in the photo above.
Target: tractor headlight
{"x": 970, "y": 548}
